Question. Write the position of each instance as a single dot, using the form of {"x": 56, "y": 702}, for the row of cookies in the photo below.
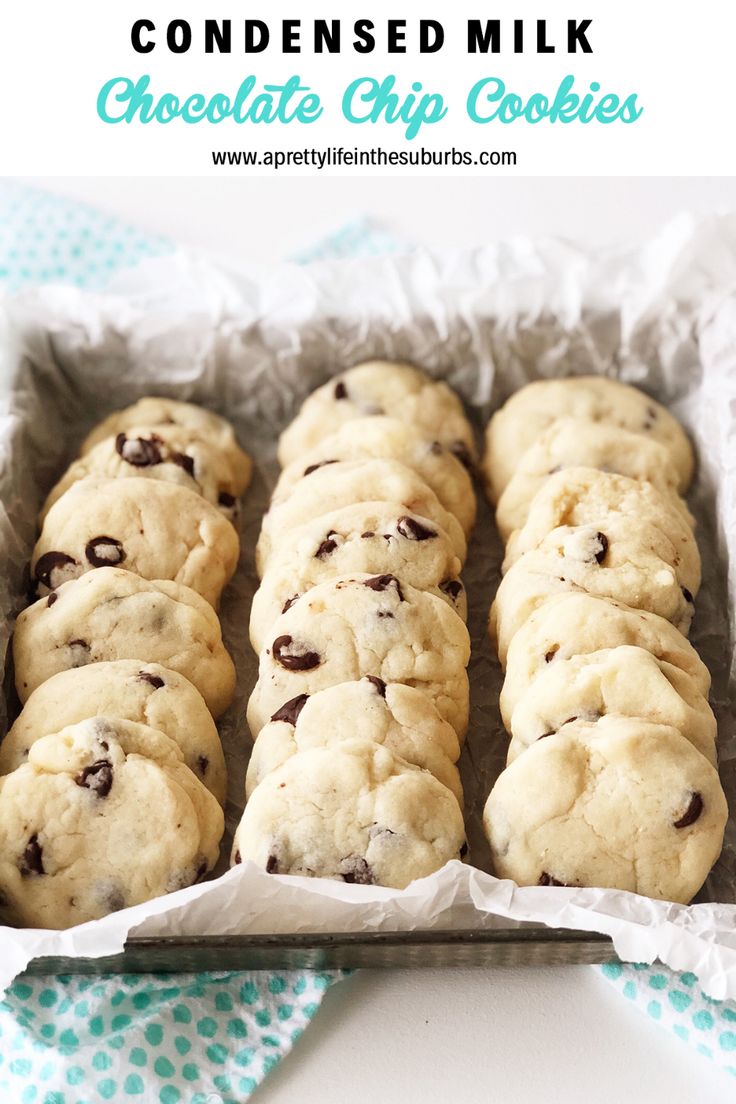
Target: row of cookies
{"x": 611, "y": 776}
{"x": 361, "y": 703}
{"x": 113, "y": 774}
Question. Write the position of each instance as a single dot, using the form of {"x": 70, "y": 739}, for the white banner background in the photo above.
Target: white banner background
{"x": 677, "y": 58}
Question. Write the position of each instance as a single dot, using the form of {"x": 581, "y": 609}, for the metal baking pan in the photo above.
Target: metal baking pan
{"x": 256, "y": 374}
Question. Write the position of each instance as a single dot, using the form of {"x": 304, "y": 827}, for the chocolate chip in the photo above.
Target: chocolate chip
{"x": 341, "y": 391}
{"x": 410, "y": 528}
{"x": 379, "y": 684}
{"x": 104, "y": 552}
{"x": 328, "y": 545}
{"x": 32, "y": 860}
{"x": 97, "y": 777}
{"x": 272, "y": 865}
{"x": 315, "y": 467}
{"x": 383, "y": 582}
{"x": 141, "y": 452}
{"x": 183, "y": 461}
{"x": 285, "y": 652}
{"x": 452, "y": 588}
{"x": 290, "y": 710}
{"x": 546, "y": 879}
{"x": 356, "y": 871}
{"x": 602, "y": 551}
{"x": 367, "y": 536}
{"x": 290, "y": 602}
{"x": 114, "y": 899}
{"x": 687, "y": 596}
{"x": 692, "y": 812}
{"x": 461, "y": 451}
{"x": 52, "y": 598}
{"x": 80, "y": 652}
{"x": 650, "y": 418}
{"x": 550, "y": 655}
{"x": 203, "y": 763}
{"x": 153, "y": 680}
{"x": 50, "y": 569}
{"x": 226, "y": 500}
{"x": 436, "y": 448}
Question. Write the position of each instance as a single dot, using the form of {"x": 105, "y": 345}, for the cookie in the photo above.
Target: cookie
{"x": 621, "y": 804}
{"x": 358, "y": 625}
{"x": 156, "y": 412}
{"x": 345, "y": 483}
{"x": 621, "y": 510}
{"x": 523, "y": 419}
{"x": 578, "y": 442}
{"x": 356, "y": 813}
{"x": 582, "y": 559}
{"x": 381, "y": 438}
{"x": 400, "y": 718}
{"x": 153, "y": 529}
{"x": 376, "y": 538}
{"x": 86, "y": 824}
{"x": 380, "y": 387}
{"x": 146, "y": 693}
{"x": 112, "y": 614}
{"x": 625, "y": 681}
{"x": 575, "y": 624}
{"x": 171, "y": 453}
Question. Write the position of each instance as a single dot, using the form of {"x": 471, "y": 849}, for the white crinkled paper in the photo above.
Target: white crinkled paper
{"x": 251, "y": 343}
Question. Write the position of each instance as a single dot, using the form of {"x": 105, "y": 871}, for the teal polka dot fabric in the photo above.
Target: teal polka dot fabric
{"x": 48, "y": 239}
{"x": 677, "y": 1003}
{"x": 195, "y": 1038}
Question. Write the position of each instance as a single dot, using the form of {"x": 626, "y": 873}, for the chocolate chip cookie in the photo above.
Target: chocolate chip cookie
{"x": 578, "y": 442}
{"x": 576, "y": 624}
{"x": 356, "y": 813}
{"x": 171, "y": 454}
{"x": 581, "y": 558}
{"x": 621, "y": 804}
{"x": 86, "y": 824}
{"x": 146, "y": 693}
{"x": 626, "y": 513}
{"x": 381, "y": 438}
{"x": 530, "y": 411}
{"x": 155, "y": 412}
{"x": 376, "y": 538}
{"x": 153, "y": 529}
{"x": 360, "y": 625}
{"x": 112, "y": 614}
{"x": 624, "y": 681}
{"x": 400, "y": 718}
{"x": 380, "y": 387}
{"x": 345, "y": 483}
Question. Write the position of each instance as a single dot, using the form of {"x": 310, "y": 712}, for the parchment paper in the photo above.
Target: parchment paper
{"x": 251, "y": 343}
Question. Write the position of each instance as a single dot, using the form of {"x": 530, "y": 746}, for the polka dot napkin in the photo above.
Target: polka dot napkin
{"x": 208, "y": 1038}
{"x": 196, "y": 1038}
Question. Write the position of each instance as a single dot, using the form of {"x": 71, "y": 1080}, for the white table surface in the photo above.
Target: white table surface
{"x": 517, "y": 1036}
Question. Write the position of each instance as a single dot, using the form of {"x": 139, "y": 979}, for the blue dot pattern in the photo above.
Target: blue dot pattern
{"x": 677, "y": 1003}
{"x": 162, "y": 1038}
{"x": 48, "y": 239}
